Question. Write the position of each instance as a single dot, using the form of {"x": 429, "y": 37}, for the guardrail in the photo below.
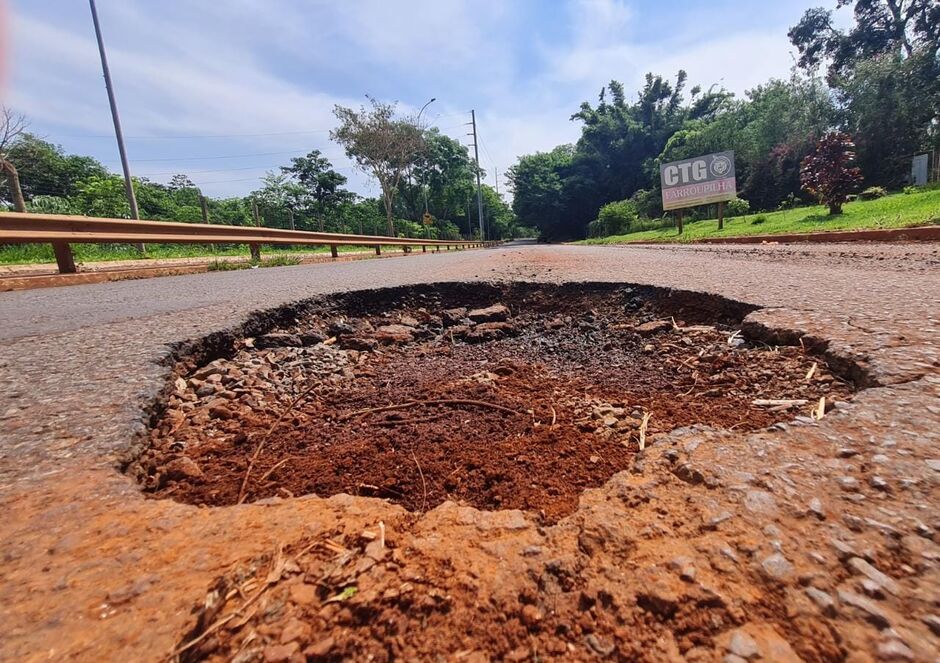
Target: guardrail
{"x": 61, "y": 230}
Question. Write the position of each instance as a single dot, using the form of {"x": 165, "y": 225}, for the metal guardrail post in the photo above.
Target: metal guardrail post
{"x": 378, "y": 250}
{"x": 424, "y": 248}
{"x": 334, "y": 252}
{"x": 255, "y": 251}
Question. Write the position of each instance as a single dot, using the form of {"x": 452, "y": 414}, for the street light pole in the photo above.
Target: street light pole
{"x": 119, "y": 134}
{"x": 424, "y": 190}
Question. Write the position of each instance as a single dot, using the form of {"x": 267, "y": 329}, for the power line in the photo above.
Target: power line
{"x": 189, "y": 136}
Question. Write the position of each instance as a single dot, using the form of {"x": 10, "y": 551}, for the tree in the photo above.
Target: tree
{"x": 381, "y": 144}
{"x": 828, "y": 172}
{"x": 443, "y": 175}
{"x": 12, "y": 126}
{"x": 45, "y": 170}
{"x": 320, "y": 187}
{"x": 899, "y": 27}
{"x": 539, "y": 200}
{"x": 892, "y": 106}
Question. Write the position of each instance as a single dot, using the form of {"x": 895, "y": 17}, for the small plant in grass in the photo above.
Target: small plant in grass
{"x": 759, "y": 219}
{"x": 738, "y": 207}
{"x": 280, "y": 261}
{"x": 873, "y": 193}
{"x": 908, "y": 190}
{"x": 226, "y": 266}
{"x": 828, "y": 172}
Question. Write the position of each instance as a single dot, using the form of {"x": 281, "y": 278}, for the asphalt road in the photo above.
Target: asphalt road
{"x": 219, "y": 297}
{"x": 80, "y": 365}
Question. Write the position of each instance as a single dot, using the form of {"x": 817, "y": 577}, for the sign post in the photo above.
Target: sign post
{"x": 699, "y": 181}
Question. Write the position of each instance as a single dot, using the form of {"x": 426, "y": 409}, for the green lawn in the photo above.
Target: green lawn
{"x": 22, "y": 254}
{"x": 895, "y": 211}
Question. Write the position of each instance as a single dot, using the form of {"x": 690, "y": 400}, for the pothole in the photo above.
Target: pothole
{"x": 501, "y": 397}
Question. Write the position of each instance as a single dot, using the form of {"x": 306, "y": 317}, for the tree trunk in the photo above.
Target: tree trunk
{"x": 390, "y": 221}
{"x": 835, "y": 209}
{"x": 13, "y": 180}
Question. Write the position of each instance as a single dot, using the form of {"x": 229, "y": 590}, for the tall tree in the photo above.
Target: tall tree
{"x": 899, "y": 27}
{"x": 539, "y": 200}
{"x": 321, "y": 187}
{"x": 382, "y": 144}
{"x": 443, "y": 176}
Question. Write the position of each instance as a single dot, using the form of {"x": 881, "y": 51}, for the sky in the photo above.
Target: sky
{"x": 224, "y": 90}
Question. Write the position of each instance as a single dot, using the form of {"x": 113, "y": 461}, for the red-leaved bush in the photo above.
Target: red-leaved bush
{"x": 828, "y": 173}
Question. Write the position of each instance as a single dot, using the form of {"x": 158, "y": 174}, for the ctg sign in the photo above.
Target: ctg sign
{"x": 698, "y": 181}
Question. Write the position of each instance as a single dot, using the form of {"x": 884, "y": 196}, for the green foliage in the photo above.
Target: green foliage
{"x": 873, "y": 192}
{"x": 539, "y": 195}
{"x": 103, "y": 196}
{"x": 881, "y": 27}
{"x": 613, "y": 219}
{"x": 759, "y": 219}
{"x": 828, "y": 173}
{"x": 51, "y": 205}
{"x": 737, "y": 207}
{"x": 648, "y": 203}
{"x": 45, "y": 170}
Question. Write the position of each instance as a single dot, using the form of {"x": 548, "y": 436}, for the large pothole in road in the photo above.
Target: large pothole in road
{"x": 516, "y": 396}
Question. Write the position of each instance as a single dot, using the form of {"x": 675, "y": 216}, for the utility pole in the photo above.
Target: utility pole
{"x": 476, "y": 156}
{"x": 496, "y": 177}
{"x": 128, "y": 184}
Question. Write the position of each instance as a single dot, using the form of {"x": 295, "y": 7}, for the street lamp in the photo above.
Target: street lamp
{"x": 424, "y": 188}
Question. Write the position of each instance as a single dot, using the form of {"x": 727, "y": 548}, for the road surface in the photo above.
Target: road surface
{"x": 87, "y": 560}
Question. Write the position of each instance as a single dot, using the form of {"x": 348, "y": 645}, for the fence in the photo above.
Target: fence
{"x": 62, "y": 230}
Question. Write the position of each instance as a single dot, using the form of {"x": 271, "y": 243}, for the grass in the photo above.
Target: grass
{"x": 230, "y": 265}
{"x": 24, "y": 254}
{"x": 895, "y": 211}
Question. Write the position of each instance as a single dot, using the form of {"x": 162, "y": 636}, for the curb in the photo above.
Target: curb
{"x": 914, "y": 234}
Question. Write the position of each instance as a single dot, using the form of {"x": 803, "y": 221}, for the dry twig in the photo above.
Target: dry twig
{"x": 424, "y": 484}
{"x": 811, "y": 372}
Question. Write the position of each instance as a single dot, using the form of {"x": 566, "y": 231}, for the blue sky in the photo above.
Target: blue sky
{"x": 226, "y": 89}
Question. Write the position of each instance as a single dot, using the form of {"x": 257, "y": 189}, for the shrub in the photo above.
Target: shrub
{"x": 873, "y": 193}
{"x": 908, "y": 190}
{"x": 738, "y": 207}
{"x": 759, "y": 219}
{"x": 828, "y": 172}
{"x": 613, "y": 219}
{"x": 648, "y": 203}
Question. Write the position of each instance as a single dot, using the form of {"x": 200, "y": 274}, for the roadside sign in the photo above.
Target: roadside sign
{"x": 699, "y": 181}
{"x": 428, "y": 219}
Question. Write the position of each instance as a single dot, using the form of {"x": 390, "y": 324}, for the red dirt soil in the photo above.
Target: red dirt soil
{"x": 523, "y": 413}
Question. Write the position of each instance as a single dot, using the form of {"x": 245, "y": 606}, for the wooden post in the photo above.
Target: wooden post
{"x": 334, "y": 252}
{"x": 205, "y": 209}
{"x": 64, "y": 258}
{"x": 253, "y": 246}
{"x": 721, "y": 215}
{"x": 290, "y": 215}
{"x": 424, "y": 249}
{"x": 378, "y": 250}
{"x": 679, "y": 220}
